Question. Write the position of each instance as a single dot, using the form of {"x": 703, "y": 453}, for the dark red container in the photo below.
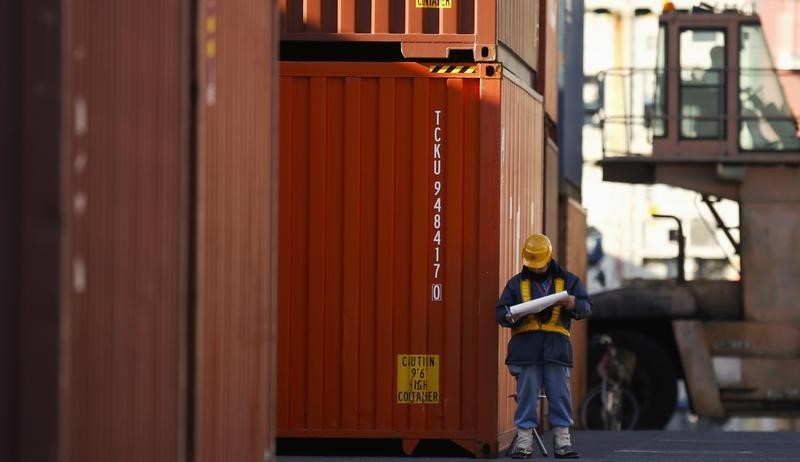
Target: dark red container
{"x": 552, "y": 59}
{"x": 125, "y": 232}
{"x": 572, "y": 251}
{"x": 30, "y": 232}
{"x": 133, "y": 329}
{"x": 236, "y": 232}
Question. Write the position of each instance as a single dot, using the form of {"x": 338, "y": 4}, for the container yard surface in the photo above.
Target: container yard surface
{"x": 638, "y": 446}
{"x": 406, "y": 193}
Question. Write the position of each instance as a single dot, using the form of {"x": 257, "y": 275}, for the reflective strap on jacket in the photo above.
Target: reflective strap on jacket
{"x": 532, "y": 322}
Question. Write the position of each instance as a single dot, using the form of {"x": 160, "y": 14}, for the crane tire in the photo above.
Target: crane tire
{"x": 654, "y": 380}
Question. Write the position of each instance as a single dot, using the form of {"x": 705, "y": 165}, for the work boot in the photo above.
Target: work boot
{"x": 562, "y": 444}
{"x": 523, "y": 444}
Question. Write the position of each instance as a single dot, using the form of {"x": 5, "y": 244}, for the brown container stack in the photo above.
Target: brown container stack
{"x": 10, "y": 39}
{"x": 236, "y": 232}
{"x": 124, "y": 268}
{"x": 139, "y": 251}
{"x": 407, "y": 189}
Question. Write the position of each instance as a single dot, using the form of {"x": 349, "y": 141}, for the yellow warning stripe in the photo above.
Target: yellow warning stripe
{"x": 525, "y": 290}
{"x": 453, "y": 69}
{"x": 554, "y": 325}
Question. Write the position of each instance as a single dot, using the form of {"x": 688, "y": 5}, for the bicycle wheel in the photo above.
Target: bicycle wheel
{"x": 591, "y": 410}
{"x": 654, "y": 381}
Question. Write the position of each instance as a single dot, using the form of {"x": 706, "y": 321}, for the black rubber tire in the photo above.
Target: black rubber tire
{"x": 654, "y": 382}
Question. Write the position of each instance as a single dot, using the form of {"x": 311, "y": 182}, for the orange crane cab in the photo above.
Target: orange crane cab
{"x": 719, "y": 125}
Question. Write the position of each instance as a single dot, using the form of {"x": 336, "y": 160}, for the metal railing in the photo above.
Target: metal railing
{"x": 632, "y": 111}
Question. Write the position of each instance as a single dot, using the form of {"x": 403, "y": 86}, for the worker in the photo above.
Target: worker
{"x": 707, "y": 95}
{"x": 539, "y": 352}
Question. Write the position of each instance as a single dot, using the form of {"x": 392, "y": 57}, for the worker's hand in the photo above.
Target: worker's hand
{"x": 569, "y": 304}
{"x": 509, "y": 317}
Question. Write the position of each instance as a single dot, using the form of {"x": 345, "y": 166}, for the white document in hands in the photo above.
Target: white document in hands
{"x": 537, "y": 305}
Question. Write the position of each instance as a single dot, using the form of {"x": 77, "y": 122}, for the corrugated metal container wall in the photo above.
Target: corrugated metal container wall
{"x": 572, "y": 242}
{"x": 9, "y": 243}
{"x": 423, "y": 32}
{"x": 236, "y": 188}
{"x": 124, "y": 206}
{"x": 570, "y": 94}
{"x": 36, "y": 270}
{"x": 518, "y": 28}
{"x": 551, "y": 59}
{"x": 392, "y": 251}
{"x": 522, "y": 208}
{"x": 522, "y": 160}
{"x": 10, "y": 93}
{"x": 551, "y": 186}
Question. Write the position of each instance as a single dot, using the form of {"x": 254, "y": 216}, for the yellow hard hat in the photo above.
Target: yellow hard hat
{"x": 537, "y": 251}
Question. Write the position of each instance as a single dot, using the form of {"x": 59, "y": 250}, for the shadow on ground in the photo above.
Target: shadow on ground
{"x": 366, "y": 448}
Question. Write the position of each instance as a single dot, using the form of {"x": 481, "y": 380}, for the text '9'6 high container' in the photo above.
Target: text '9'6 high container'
{"x": 487, "y": 29}
{"x": 406, "y": 192}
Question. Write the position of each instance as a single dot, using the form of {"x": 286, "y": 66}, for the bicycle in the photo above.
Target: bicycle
{"x": 609, "y": 405}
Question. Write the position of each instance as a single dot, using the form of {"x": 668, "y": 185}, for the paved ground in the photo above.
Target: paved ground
{"x": 645, "y": 446}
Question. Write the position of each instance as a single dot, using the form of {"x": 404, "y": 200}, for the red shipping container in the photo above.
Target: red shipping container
{"x": 424, "y": 28}
{"x": 406, "y": 192}
{"x": 551, "y": 59}
{"x": 129, "y": 334}
{"x": 235, "y": 311}
{"x": 572, "y": 251}
{"x": 123, "y": 307}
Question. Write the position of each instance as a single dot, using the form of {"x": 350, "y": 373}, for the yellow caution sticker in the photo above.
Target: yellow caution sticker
{"x": 434, "y": 3}
{"x": 417, "y": 379}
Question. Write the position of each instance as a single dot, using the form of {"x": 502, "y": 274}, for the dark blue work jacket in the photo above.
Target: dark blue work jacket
{"x": 544, "y": 338}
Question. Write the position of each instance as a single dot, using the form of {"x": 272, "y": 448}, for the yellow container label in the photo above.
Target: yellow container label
{"x": 417, "y": 379}
{"x": 434, "y": 3}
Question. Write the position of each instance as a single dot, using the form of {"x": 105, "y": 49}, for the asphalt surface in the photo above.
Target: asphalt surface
{"x": 645, "y": 446}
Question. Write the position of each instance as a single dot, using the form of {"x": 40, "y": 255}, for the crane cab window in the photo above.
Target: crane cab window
{"x": 702, "y": 84}
{"x": 766, "y": 123}
{"x": 659, "y": 93}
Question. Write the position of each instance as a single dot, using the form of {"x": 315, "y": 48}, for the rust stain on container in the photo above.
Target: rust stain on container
{"x": 474, "y": 25}
{"x": 406, "y": 192}
{"x": 124, "y": 210}
{"x": 236, "y": 194}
